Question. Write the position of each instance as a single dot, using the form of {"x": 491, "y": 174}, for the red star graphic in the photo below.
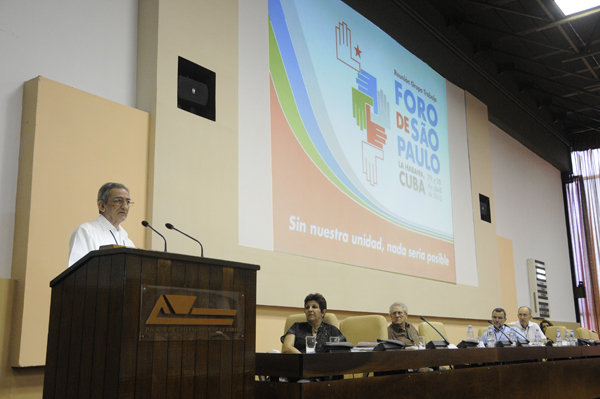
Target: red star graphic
{"x": 357, "y": 51}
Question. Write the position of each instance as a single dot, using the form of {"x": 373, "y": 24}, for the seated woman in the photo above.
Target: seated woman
{"x": 544, "y": 324}
{"x": 400, "y": 329}
{"x": 315, "y": 307}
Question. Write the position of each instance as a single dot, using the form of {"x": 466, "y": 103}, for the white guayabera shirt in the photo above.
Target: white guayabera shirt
{"x": 92, "y": 235}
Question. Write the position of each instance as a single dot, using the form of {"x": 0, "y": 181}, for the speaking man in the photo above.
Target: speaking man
{"x": 113, "y": 206}
{"x": 525, "y": 328}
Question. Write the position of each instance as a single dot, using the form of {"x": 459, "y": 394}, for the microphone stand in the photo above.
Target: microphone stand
{"x": 171, "y": 227}
{"x": 498, "y": 343}
{"x": 436, "y": 344}
{"x": 520, "y": 342}
{"x": 146, "y": 224}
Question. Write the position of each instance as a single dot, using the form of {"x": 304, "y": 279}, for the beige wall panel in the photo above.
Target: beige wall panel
{"x": 481, "y": 182}
{"x": 507, "y": 276}
{"x": 72, "y": 143}
{"x": 194, "y": 159}
{"x": 14, "y": 382}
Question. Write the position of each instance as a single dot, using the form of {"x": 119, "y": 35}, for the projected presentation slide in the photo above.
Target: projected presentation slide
{"x": 359, "y": 144}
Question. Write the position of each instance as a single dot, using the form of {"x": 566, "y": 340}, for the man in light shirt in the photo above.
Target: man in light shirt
{"x": 501, "y": 331}
{"x": 525, "y": 328}
{"x": 113, "y": 206}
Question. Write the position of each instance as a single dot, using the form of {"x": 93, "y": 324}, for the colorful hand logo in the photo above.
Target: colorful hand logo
{"x": 365, "y": 97}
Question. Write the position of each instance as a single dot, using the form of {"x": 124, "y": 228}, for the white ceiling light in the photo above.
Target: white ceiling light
{"x": 569, "y": 7}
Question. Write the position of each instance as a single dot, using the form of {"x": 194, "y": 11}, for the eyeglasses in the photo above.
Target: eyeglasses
{"x": 397, "y": 313}
{"x": 121, "y": 201}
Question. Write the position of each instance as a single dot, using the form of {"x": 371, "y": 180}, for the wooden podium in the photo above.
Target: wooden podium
{"x": 130, "y": 323}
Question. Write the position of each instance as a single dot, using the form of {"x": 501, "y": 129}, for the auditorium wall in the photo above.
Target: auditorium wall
{"x": 87, "y": 45}
{"x": 203, "y": 154}
{"x": 530, "y": 211}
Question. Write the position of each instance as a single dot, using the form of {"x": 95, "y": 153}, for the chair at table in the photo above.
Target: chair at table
{"x": 330, "y": 318}
{"x": 594, "y": 335}
{"x": 364, "y": 328}
{"x": 551, "y": 332}
{"x": 482, "y": 330}
{"x": 430, "y": 334}
{"x": 583, "y": 333}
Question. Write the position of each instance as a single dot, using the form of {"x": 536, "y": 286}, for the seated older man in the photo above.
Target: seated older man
{"x": 400, "y": 329}
{"x": 524, "y": 327}
{"x": 113, "y": 206}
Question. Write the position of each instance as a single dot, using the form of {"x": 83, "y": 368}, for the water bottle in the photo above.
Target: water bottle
{"x": 538, "y": 338}
{"x": 558, "y": 337}
{"x": 470, "y": 335}
{"x": 491, "y": 338}
{"x": 573, "y": 339}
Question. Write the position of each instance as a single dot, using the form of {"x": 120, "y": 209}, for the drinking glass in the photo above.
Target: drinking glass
{"x": 311, "y": 342}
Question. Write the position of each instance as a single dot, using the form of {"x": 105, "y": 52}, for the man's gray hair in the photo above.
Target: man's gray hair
{"x": 104, "y": 191}
{"x": 403, "y": 306}
{"x": 526, "y": 307}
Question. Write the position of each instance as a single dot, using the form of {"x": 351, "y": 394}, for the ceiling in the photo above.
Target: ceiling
{"x": 552, "y": 58}
{"x": 537, "y": 71}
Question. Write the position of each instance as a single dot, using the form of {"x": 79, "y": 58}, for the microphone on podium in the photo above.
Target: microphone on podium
{"x": 171, "y": 227}
{"x": 146, "y": 224}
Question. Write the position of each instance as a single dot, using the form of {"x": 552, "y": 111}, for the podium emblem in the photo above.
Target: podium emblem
{"x": 169, "y": 313}
{"x": 179, "y": 310}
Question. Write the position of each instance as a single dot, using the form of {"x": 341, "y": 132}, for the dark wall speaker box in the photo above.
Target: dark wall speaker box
{"x": 196, "y": 89}
{"x": 484, "y": 207}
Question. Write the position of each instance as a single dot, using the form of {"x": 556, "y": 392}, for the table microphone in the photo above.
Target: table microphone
{"x": 499, "y": 329}
{"x": 146, "y": 224}
{"x": 171, "y": 227}
{"x": 436, "y": 344}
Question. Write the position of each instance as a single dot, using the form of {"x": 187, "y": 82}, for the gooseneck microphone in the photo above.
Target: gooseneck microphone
{"x": 171, "y": 227}
{"x": 146, "y": 224}
{"x": 516, "y": 330}
{"x": 499, "y": 329}
{"x": 436, "y": 344}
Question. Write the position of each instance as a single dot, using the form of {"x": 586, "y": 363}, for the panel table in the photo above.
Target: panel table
{"x": 477, "y": 372}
